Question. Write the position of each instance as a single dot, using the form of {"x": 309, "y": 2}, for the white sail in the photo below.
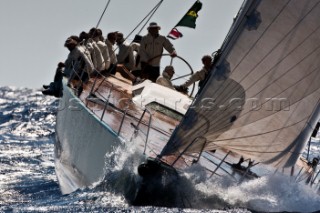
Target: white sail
{"x": 262, "y": 98}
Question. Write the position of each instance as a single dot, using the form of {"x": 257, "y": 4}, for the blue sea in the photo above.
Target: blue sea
{"x": 28, "y": 181}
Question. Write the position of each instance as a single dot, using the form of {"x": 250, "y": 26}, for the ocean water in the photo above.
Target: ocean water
{"x": 28, "y": 182}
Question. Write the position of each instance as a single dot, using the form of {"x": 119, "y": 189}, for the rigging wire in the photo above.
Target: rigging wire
{"x": 150, "y": 14}
{"x": 148, "y": 17}
{"x": 105, "y": 8}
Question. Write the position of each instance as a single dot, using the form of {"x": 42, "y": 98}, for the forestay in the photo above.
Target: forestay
{"x": 262, "y": 100}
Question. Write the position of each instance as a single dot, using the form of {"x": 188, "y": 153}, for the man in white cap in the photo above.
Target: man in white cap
{"x": 165, "y": 78}
{"x": 151, "y": 49}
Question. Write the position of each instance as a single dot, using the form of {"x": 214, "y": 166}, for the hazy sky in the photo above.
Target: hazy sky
{"x": 33, "y": 32}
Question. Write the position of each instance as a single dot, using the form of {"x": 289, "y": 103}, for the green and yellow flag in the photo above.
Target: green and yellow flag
{"x": 189, "y": 19}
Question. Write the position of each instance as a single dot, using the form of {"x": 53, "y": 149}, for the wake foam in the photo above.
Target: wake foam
{"x": 270, "y": 193}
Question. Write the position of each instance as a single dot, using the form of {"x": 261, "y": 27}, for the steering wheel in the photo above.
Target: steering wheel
{"x": 189, "y": 66}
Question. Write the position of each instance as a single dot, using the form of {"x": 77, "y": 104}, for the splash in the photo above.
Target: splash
{"x": 273, "y": 193}
{"x": 121, "y": 170}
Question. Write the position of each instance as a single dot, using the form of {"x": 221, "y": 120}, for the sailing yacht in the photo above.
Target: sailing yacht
{"x": 254, "y": 116}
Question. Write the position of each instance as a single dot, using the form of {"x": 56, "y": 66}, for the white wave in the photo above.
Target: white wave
{"x": 270, "y": 193}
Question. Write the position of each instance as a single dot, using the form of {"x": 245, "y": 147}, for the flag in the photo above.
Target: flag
{"x": 189, "y": 19}
{"x": 174, "y": 34}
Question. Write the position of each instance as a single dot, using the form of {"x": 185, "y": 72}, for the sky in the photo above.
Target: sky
{"x": 33, "y": 32}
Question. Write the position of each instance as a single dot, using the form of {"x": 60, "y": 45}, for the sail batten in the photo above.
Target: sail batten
{"x": 262, "y": 100}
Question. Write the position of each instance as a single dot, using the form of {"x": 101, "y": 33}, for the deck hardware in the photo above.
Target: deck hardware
{"x": 107, "y": 103}
{"x": 122, "y": 120}
{"x": 189, "y": 147}
{"x": 220, "y": 164}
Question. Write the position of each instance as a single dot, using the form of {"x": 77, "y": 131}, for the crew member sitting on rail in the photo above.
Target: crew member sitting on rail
{"x": 110, "y": 41}
{"x": 96, "y": 35}
{"x": 93, "y": 51}
{"x": 77, "y": 66}
{"x": 125, "y": 59}
{"x": 125, "y": 55}
{"x": 55, "y": 87}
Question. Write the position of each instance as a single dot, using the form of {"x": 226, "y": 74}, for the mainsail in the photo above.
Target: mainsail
{"x": 262, "y": 98}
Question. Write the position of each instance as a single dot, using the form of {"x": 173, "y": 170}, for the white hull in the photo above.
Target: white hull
{"x": 81, "y": 145}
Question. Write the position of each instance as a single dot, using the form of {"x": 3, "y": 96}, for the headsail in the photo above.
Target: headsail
{"x": 262, "y": 100}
